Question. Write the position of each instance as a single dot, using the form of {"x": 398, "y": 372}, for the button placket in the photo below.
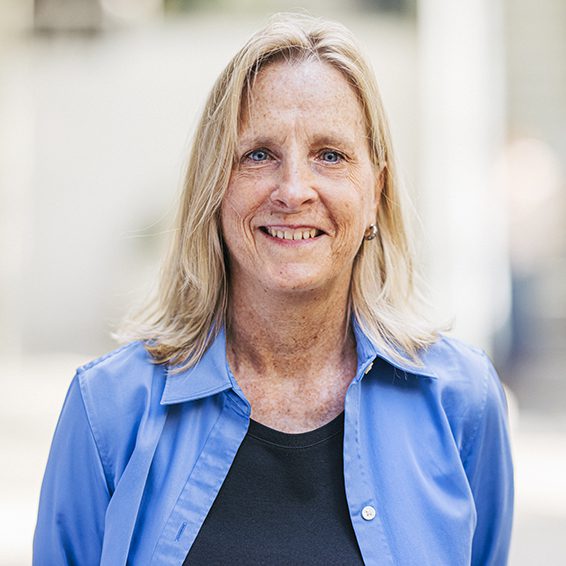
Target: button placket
{"x": 202, "y": 486}
{"x": 368, "y": 526}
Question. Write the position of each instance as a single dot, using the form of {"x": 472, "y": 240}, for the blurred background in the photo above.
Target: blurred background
{"x": 98, "y": 99}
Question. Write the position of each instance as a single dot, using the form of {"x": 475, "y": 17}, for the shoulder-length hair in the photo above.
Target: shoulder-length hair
{"x": 190, "y": 305}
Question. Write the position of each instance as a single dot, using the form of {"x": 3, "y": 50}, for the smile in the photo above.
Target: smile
{"x": 288, "y": 233}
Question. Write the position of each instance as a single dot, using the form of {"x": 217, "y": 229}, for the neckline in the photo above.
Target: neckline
{"x": 296, "y": 440}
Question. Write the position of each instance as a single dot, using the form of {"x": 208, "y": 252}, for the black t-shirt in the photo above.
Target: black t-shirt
{"x": 282, "y": 503}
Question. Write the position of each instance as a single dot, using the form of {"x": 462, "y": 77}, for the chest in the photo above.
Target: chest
{"x": 282, "y": 503}
{"x": 399, "y": 463}
{"x": 295, "y": 406}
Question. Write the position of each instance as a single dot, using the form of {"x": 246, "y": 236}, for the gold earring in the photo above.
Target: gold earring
{"x": 370, "y": 233}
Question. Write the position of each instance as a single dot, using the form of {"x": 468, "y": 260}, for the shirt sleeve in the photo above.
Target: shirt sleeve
{"x": 489, "y": 469}
{"x": 74, "y": 494}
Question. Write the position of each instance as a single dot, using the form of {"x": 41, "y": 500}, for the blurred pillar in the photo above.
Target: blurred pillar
{"x": 461, "y": 96}
{"x": 15, "y": 16}
{"x": 67, "y": 15}
{"x": 16, "y": 203}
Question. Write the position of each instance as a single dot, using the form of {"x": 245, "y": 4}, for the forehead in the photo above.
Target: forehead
{"x": 311, "y": 91}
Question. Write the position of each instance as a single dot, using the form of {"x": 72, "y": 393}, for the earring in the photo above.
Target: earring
{"x": 371, "y": 232}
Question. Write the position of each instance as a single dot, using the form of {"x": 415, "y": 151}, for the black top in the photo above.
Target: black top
{"x": 282, "y": 503}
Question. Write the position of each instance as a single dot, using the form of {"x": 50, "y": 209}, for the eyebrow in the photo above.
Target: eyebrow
{"x": 256, "y": 141}
{"x": 334, "y": 140}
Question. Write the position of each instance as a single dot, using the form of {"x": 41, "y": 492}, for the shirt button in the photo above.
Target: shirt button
{"x": 368, "y": 369}
{"x": 368, "y": 513}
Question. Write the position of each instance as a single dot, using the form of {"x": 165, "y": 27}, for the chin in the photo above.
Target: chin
{"x": 296, "y": 280}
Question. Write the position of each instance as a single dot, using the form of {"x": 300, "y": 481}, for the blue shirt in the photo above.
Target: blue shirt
{"x": 139, "y": 455}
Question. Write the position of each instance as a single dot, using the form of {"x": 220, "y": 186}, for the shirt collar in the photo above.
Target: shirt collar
{"x": 367, "y": 351}
{"x": 207, "y": 377}
{"x": 211, "y": 374}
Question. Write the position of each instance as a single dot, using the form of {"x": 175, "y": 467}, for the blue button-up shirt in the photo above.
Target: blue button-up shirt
{"x": 139, "y": 455}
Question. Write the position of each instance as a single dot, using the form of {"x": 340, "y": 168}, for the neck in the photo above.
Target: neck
{"x": 289, "y": 336}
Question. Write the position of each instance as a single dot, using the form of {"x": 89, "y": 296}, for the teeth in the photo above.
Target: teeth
{"x": 292, "y": 234}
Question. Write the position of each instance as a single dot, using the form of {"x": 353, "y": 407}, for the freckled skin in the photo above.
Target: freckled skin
{"x": 303, "y": 160}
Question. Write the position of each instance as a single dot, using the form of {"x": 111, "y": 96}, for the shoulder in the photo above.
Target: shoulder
{"x": 120, "y": 380}
{"x": 133, "y": 352}
{"x": 120, "y": 391}
{"x": 125, "y": 368}
{"x": 467, "y": 387}
{"x": 459, "y": 366}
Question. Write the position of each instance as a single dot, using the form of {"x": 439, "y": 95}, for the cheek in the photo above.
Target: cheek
{"x": 234, "y": 210}
{"x": 237, "y": 211}
{"x": 358, "y": 206}
{"x": 351, "y": 227}
{"x": 230, "y": 211}
{"x": 365, "y": 183}
{"x": 244, "y": 195}
{"x": 233, "y": 199}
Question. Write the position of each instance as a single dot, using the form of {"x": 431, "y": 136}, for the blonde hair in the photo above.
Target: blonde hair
{"x": 190, "y": 306}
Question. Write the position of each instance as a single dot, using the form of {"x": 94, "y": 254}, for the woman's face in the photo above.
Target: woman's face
{"x": 304, "y": 188}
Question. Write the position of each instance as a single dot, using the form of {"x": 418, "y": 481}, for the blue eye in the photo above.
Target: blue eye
{"x": 258, "y": 155}
{"x": 331, "y": 156}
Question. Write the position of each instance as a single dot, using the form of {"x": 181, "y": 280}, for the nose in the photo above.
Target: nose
{"x": 295, "y": 186}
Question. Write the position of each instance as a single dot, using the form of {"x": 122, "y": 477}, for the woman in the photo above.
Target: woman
{"x": 284, "y": 402}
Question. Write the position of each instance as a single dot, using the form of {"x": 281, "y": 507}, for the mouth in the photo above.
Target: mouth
{"x": 292, "y": 232}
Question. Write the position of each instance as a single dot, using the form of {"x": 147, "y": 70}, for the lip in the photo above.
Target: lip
{"x": 291, "y": 227}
